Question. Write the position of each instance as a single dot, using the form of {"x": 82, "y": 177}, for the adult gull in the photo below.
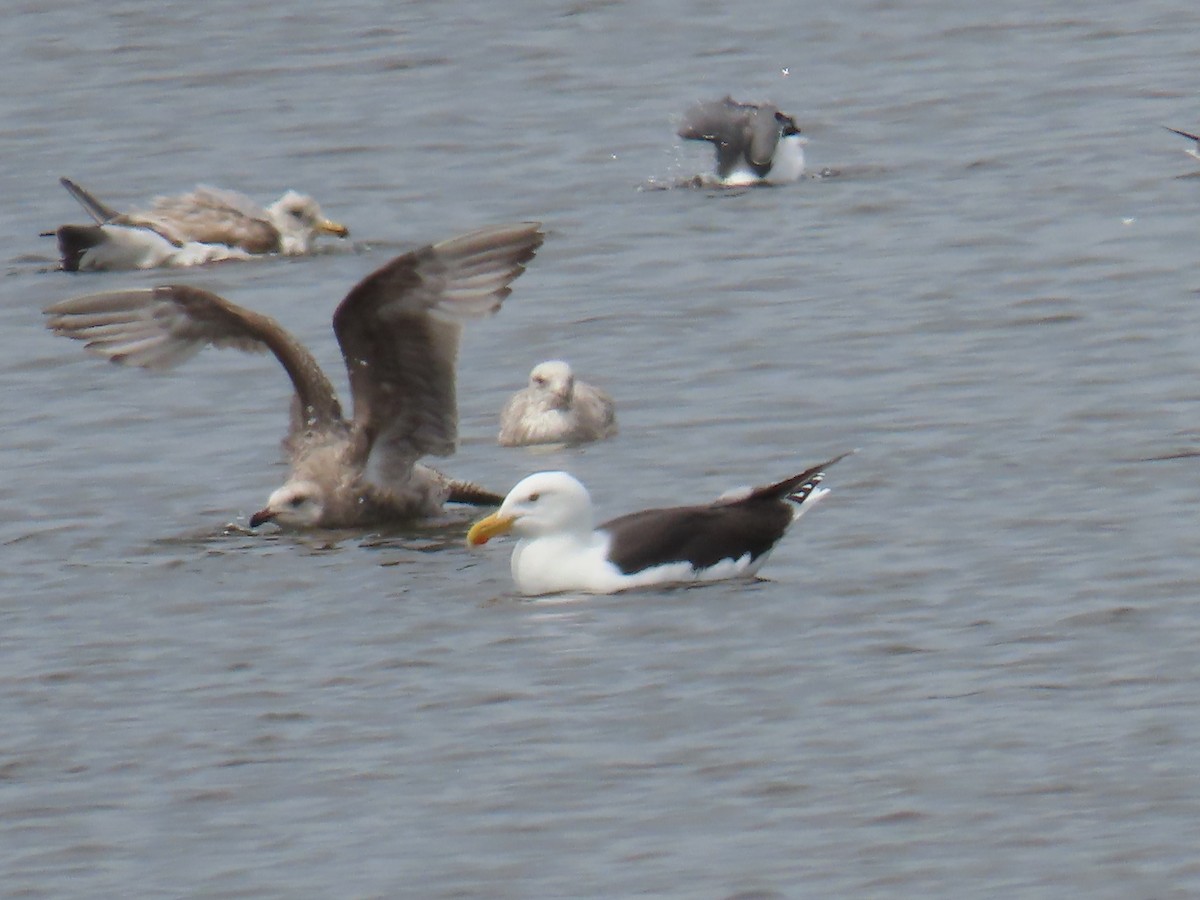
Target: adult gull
{"x": 556, "y": 408}
{"x": 755, "y": 143}
{"x": 206, "y": 225}
{"x": 560, "y": 549}
{"x": 398, "y": 330}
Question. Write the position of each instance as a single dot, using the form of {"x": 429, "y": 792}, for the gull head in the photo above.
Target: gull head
{"x": 555, "y": 381}
{"x": 298, "y": 504}
{"x": 541, "y": 504}
{"x": 787, "y": 125}
{"x": 299, "y": 220}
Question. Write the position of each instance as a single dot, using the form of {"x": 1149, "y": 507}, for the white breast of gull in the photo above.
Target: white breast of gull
{"x": 398, "y": 330}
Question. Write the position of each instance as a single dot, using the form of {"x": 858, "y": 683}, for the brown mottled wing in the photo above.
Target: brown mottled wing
{"x": 210, "y": 216}
{"x": 399, "y": 330}
{"x": 160, "y": 327}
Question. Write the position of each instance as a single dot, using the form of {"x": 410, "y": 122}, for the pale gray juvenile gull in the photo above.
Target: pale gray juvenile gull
{"x": 1193, "y": 150}
{"x": 556, "y": 408}
{"x": 755, "y": 143}
{"x": 207, "y": 225}
{"x": 398, "y": 330}
{"x": 560, "y": 549}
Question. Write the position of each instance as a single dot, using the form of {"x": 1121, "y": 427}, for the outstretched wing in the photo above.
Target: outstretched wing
{"x": 160, "y": 327}
{"x": 399, "y": 330}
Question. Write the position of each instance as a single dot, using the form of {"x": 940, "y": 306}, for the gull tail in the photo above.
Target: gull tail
{"x": 101, "y": 212}
{"x": 798, "y": 488}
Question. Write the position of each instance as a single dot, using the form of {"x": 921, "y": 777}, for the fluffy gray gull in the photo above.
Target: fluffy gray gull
{"x": 398, "y": 330}
{"x": 556, "y": 408}
{"x": 560, "y": 549}
{"x": 206, "y": 225}
{"x": 755, "y": 143}
{"x": 1193, "y": 150}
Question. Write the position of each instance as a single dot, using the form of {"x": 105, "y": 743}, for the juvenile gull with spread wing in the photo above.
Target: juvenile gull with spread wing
{"x": 556, "y": 408}
{"x": 398, "y": 330}
{"x": 207, "y": 225}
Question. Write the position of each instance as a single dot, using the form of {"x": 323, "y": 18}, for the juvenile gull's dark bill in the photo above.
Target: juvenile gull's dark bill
{"x": 560, "y": 549}
{"x": 556, "y": 408}
{"x": 207, "y": 225}
{"x": 398, "y": 330}
{"x": 755, "y": 143}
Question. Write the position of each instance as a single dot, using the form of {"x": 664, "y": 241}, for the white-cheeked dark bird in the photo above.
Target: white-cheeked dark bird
{"x": 755, "y": 143}
{"x": 399, "y": 332}
{"x": 207, "y": 225}
{"x": 560, "y": 549}
{"x": 556, "y": 408}
{"x": 1194, "y": 150}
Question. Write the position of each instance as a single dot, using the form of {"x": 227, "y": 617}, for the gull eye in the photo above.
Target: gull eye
{"x": 539, "y": 381}
{"x": 296, "y": 502}
{"x": 533, "y": 498}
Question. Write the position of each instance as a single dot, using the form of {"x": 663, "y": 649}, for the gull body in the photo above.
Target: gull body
{"x": 206, "y": 225}
{"x": 398, "y": 330}
{"x": 556, "y": 408}
{"x": 754, "y": 143}
{"x": 560, "y": 549}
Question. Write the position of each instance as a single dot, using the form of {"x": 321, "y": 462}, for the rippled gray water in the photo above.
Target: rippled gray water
{"x": 972, "y": 673}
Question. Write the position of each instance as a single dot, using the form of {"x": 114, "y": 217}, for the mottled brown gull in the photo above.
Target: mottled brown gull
{"x": 399, "y": 332}
{"x": 560, "y": 549}
{"x": 754, "y": 142}
{"x": 207, "y": 225}
{"x": 556, "y": 408}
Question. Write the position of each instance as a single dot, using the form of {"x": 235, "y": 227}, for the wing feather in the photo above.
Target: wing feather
{"x": 160, "y": 327}
{"x": 399, "y": 331}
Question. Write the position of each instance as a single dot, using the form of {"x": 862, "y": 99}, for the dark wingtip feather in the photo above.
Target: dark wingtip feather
{"x": 1185, "y": 134}
{"x": 798, "y": 487}
{"x": 101, "y": 212}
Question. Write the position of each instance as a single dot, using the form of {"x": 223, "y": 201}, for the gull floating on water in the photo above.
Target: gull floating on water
{"x": 1194, "y": 150}
{"x": 206, "y": 225}
{"x": 561, "y": 550}
{"x": 755, "y": 143}
{"x": 556, "y": 408}
{"x": 399, "y": 331}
